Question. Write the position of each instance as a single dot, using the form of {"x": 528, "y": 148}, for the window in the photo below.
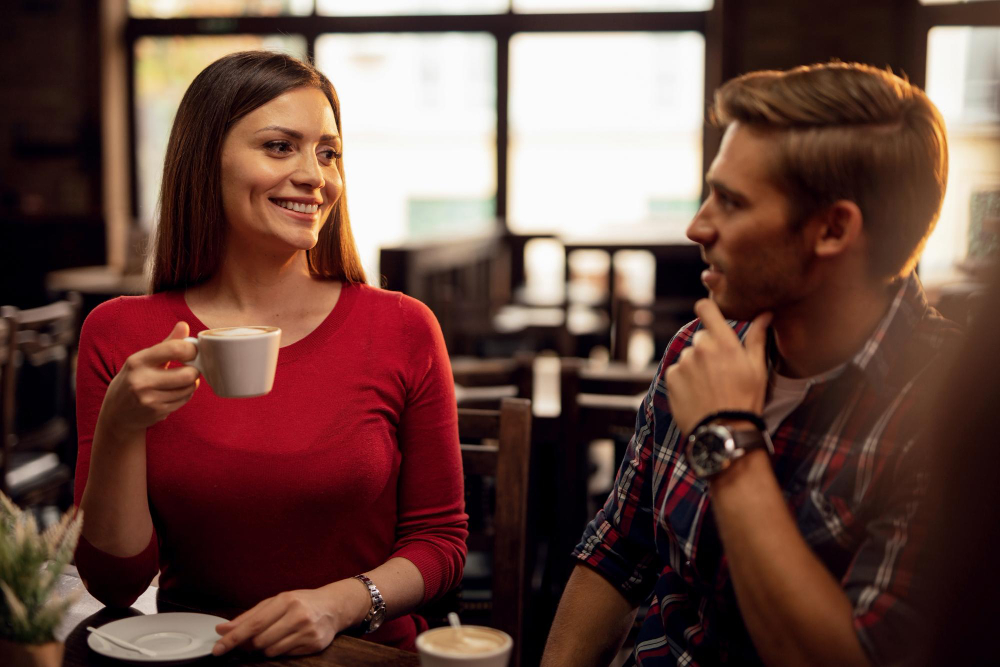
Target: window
{"x": 963, "y": 80}
{"x": 409, "y": 7}
{"x": 460, "y": 112}
{"x": 419, "y": 126}
{"x": 605, "y": 128}
{"x": 166, "y": 9}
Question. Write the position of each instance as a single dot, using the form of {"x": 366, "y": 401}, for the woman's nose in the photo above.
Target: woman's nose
{"x": 309, "y": 172}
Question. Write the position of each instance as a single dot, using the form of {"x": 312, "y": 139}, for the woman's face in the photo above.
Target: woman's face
{"x": 279, "y": 171}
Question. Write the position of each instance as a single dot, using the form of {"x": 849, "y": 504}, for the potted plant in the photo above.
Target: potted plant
{"x": 30, "y": 565}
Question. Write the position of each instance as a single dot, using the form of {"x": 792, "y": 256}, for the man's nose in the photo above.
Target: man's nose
{"x": 701, "y": 230}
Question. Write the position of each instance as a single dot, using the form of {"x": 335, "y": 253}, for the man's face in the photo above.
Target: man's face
{"x": 756, "y": 261}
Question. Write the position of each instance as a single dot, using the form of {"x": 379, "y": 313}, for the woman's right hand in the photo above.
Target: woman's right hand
{"x": 145, "y": 391}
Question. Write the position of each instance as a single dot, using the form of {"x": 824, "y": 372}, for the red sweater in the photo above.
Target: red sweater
{"x": 352, "y": 459}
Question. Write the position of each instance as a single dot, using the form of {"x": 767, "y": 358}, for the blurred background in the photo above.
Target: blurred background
{"x": 525, "y": 167}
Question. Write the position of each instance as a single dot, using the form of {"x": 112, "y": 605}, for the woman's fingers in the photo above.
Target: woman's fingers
{"x": 173, "y": 349}
{"x": 294, "y": 644}
{"x": 277, "y": 633}
{"x": 176, "y": 378}
{"x": 254, "y": 622}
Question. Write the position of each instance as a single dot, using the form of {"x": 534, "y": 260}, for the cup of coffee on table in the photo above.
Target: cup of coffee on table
{"x": 465, "y": 646}
{"x": 237, "y": 362}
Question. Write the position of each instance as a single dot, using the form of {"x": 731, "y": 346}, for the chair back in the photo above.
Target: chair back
{"x": 597, "y": 402}
{"x": 482, "y": 383}
{"x": 662, "y": 319}
{"x": 37, "y": 397}
{"x": 497, "y": 443}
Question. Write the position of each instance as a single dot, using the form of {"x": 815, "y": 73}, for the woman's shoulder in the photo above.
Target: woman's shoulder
{"x": 396, "y": 312}
{"x": 131, "y": 317}
{"x": 124, "y": 309}
{"x": 395, "y": 303}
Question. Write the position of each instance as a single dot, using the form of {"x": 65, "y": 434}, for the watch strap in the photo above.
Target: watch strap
{"x": 748, "y": 440}
{"x": 735, "y": 415}
{"x": 375, "y": 614}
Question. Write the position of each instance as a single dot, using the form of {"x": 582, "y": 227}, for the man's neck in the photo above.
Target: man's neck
{"x": 827, "y": 329}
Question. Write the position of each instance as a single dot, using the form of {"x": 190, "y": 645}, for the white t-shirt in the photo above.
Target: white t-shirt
{"x": 784, "y": 394}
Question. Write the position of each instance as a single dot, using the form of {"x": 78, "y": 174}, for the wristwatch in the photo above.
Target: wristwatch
{"x": 713, "y": 447}
{"x": 377, "y": 612}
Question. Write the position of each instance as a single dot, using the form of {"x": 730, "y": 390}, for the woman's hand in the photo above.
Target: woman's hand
{"x": 145, "y": 391}
{"x": 296, "y": 622}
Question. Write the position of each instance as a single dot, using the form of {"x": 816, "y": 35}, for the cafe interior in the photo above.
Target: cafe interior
{"x": 525, "y": 168}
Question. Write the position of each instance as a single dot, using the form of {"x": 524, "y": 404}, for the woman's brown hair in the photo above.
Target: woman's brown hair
{"x": 191, "y": 230}
{"x": 854, "y": 132}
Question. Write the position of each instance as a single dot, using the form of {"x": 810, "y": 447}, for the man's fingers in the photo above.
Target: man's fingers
{"x": 713, "y": 321}
{"x": 756, "y": 338}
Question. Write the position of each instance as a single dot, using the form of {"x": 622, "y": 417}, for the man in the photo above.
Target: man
{"x": 828, "y": 181}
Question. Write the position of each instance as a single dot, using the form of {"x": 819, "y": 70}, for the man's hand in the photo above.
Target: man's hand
{"x": 295, "y": 622}
{"x": 716, "y": 372}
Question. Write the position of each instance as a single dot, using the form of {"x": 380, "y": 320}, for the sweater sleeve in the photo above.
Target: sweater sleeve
{"x": 113, "y": 580}
{"x": 432, "y": 525}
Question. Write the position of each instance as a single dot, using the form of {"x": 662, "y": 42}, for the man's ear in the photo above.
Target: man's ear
{"x": 837, "y": 228}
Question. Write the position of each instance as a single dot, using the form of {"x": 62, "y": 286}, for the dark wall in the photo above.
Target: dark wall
{"x": 50, "y": 143}
{"x": 778, "y": 34}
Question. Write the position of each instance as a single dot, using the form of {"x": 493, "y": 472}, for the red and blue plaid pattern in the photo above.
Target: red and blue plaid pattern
{"x": 848, "y": 465}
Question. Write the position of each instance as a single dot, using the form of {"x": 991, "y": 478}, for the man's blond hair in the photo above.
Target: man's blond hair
{"x": 854, "y": 132}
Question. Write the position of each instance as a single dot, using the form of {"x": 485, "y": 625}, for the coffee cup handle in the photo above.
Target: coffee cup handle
{"x": 196, "y": 362}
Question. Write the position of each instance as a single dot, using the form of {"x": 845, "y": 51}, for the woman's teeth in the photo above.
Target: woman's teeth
{"x": 295, "y": 206}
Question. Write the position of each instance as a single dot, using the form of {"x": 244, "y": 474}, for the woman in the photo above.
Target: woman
{"x": 350, "y": 466}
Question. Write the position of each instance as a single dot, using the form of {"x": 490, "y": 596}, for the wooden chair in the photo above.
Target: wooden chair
{"x": 597, "y": 402}
{"x": 38, "y": 414}
{"x": 497, "y": 444}
{"x": 663, "y": 318}
{"x": 482, "y": 383}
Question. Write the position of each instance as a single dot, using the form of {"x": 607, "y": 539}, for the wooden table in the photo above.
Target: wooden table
{"x": 345, "y": 651}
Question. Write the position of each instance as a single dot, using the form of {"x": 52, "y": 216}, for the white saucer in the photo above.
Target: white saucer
{"x": 176, "y": 637}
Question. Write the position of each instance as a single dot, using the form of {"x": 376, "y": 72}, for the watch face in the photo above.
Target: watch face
{"x": 706, "y": 450}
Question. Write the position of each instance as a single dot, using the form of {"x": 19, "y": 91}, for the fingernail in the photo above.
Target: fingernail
{"x": 219, "y": 648}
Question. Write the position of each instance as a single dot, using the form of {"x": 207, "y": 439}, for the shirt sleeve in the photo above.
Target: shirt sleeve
{"x": 880, "y": 581}
{"x": 115, "y": 581}
{"x": 432, "y": 525}
{"x": 620, "y": 542}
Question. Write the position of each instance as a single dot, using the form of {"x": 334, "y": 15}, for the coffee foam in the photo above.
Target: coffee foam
{"x": 239, "y": 331}
{"x": 469, "y": 640}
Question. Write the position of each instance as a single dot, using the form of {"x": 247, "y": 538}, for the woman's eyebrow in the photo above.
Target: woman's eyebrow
{"x": 295, "y": 134}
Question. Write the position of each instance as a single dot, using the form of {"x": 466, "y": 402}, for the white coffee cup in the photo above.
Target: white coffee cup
{"x": 468, "y": 646}
{"x": 238, "y": 362}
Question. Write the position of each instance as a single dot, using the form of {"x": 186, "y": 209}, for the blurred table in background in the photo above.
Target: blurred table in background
{"x": 95, "y": 284}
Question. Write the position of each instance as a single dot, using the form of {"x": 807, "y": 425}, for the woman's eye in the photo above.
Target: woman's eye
{"x": 330, "y": 154}
{"x": 279, "y": 147}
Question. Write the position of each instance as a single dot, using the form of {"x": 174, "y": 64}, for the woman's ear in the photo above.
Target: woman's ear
{"x": 837, "y": 228}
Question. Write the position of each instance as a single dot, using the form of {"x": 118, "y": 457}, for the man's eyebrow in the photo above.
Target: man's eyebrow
{"x": 295, "y": 134}
{"x": 729, "y": 192}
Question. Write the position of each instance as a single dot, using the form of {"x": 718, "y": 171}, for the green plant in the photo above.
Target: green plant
{"x": 30, "y": 565}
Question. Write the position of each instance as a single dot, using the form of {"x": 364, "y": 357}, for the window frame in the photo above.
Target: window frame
{"x": 501, "y": 26}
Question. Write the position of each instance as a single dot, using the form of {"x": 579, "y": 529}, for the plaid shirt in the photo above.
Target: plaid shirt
{"x": 846, "y": 463}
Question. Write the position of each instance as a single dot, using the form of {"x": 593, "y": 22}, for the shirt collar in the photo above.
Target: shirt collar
{"x": 880, "y": 352}
{"x": 877, "y": 356}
